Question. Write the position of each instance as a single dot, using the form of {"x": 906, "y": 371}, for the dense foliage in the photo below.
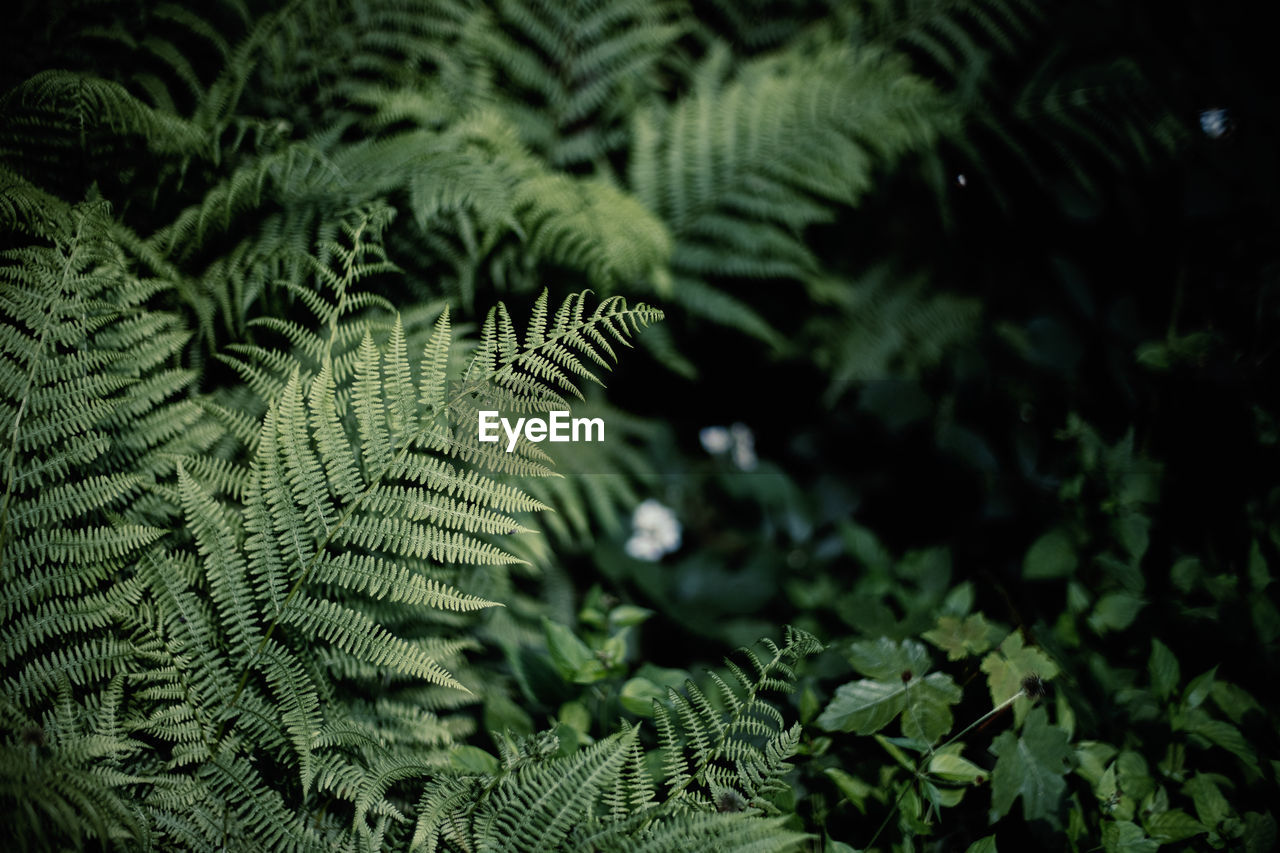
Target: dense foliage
{"x": 954, "y": 376}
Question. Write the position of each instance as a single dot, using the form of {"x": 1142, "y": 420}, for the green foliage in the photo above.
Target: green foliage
{"x": 715, "y": 772}
{"x": 164, "y": 626}
{"x": 264, "y": 589}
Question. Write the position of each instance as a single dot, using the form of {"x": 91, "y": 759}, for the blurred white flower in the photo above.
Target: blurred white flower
{"x": 655, "y": 531}
{"x": 744, "y": 447}
{"x": 738, "y": 441}
{"x": 1216, "y": 123}
{"x": 715, "y": 440}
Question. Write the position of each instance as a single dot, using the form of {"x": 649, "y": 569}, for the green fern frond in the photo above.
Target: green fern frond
{"x": 572, "y": 70}
{"x": 739, "y": 169}
{"x": 57, "y": 114}
{"x": 886, "y": 325}
{"x": 602, "y": 798}
{"x": 710, "y": 752}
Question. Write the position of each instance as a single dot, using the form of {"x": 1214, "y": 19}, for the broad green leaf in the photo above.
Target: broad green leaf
{"x": 863, "y": 707}
{"x": 982, "y": 845}
{"x": 1031, "y": 767}
{"x": 1051, "y": 556}
{"x": 1185, "y": 573}
{"x": 1211, "y": 806}
{"x": 866, "y": 706}
{"x": 1234, "y": 701}
{"x": 927, "y": 715}
{"x": 960, "y": 639}
{"x": 1266, "y": 618}
{"x": 959, "y": 601}
{"x": 1174, "y": 825}
{"x": 1225, "y": 735}
{"x": 1134, "y": 775}
{"x": 1199, "y": 689}
{"x": 1132, "y": 529}
{"x": 571, "y": 657}
{"x": 637, "y": 696}
{"x": 1091, "y": 760}
{"x": 1259, "y": 832}
{"x": 1164, "y": 670}
{"x": 627, "y": 615}
{"x": 472, "y": 759}
{"x": 952, "y": 768}
{"x": 1126, "y": 837}
{"x": 854, "y": 789}
{"x": 1259, "y": 575}
{"x": 1115, "y": 611}
{"x": 576, "y": 716}
{"x": 885, "y": 660}
{"x": 1009, "y": 665}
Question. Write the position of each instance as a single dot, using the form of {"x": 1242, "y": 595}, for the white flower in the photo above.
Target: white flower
{"x": 737, "y": 440}
{"x": 1216, "y": 123}
{"x": 655, "y": 531}
{"x": 715, "y": 440}
{"x": 744, "y": 447}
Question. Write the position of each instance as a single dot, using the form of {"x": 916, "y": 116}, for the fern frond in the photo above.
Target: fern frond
{"x": 573, "y": 69}
{"x": 740, "y": 168}
{"x": 740, "y": 749}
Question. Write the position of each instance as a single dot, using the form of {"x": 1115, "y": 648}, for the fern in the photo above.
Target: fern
{"x": 570, "y": 73}
{"x": 242, "y": 593}
{"x": 740, "y": 169}
{"x": 887, "y": 325}
{"x": 601, "y": 797}
{"x": 1048, "y": 110}
{"x": 714, "y": 757}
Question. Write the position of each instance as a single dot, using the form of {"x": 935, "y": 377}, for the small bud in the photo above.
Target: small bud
{"x": 907, "y": 675}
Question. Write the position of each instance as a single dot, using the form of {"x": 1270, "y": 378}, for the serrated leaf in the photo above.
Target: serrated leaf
{"x": 1051, "y": 556}
{"x": 868, "y": 705}
{"x": 1224, "y": 735}
{"x": 960, "y": 639}
{"x": 1174, "y": 825}
{"x": 1031, "y": 767}
{"x": 1259, "y": 574}
{"x": 885, "y": 660}
{"x": 1164, "y": 669}
{"x": 1199, "y": 689}
{"x": 1211, "y": 806}
{"x": 1132, "y": 529}
{"x": 1126, "y": 837}
{"x": 982, "y": 845}
{"x": 1234, "y": 701}
{"x": 1115, "y": 611}
{"x": 1091, "y": 760}
{"x": 1009, "y": 665}
{"x": 1259, "y": 832}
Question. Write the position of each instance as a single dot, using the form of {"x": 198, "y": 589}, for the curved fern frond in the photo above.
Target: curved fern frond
{"x": 740, "y": 168}
{"x": 738, "y": 746}
{"x": 572, "y": 71}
